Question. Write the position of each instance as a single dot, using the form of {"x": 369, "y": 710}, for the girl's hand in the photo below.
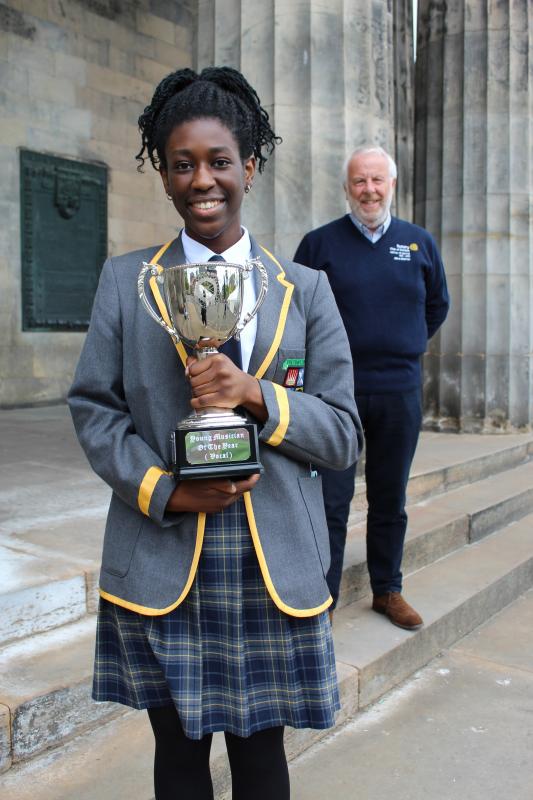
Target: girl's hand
{"x": 216, "y": 381}
{"x": 208, "y": 494}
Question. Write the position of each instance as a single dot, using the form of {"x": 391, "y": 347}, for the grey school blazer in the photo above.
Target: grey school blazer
{"x": 129, "y": 392}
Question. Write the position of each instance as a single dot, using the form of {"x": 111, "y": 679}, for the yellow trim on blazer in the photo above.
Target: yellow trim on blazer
{"x": 161, "y": 303}
{"x": 282, "y": 316}
{"x": 156, "y": 612}
{"x": 284, "y": 416}
{"x": 162, "y": 249}
{"x": 294, "y": 612}
{"x": 146, "y": 489}
{"x": 152, "y": 475}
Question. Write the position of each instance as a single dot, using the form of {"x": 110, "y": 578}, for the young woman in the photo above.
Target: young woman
{"x": 213, "y": 612}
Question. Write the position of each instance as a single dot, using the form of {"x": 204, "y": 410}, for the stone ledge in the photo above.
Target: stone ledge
{"x": 445, "y": 524}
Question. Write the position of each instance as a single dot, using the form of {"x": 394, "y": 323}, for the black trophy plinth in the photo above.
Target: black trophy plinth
{"x": 216, "y": 452}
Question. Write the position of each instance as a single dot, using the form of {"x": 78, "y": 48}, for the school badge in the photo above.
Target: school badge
{"x": 294, "y": 374}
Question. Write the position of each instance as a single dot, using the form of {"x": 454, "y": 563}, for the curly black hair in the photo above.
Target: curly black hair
{"x": 220, "y": 92}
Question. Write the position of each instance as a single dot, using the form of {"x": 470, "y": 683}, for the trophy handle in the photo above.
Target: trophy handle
{"x": 152, "y": 269}
{"x": 248, "y": 267}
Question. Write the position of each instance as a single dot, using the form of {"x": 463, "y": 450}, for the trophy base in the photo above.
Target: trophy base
{"x": 216, "y": 452}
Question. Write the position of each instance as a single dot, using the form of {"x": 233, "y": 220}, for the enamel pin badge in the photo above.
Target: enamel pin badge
{"x": 294, "y": 374}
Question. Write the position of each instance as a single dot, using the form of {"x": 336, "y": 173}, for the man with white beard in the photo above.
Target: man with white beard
{"x": 388, "y": 280}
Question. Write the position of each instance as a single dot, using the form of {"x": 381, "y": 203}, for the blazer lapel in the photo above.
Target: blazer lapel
{"x": 272, "y": 315}
{"x": 172, "y": 256}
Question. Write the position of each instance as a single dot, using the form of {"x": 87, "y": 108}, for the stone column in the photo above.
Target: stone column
{"x": 325, "y": 71}
{"x": 404, "y": 97}
{"x": 473, "y": 191}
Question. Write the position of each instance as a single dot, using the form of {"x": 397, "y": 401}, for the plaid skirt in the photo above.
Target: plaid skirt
{"x": 226, "y": 657}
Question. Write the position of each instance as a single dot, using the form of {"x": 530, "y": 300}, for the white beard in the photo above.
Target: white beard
{"x": 373, "y": 222}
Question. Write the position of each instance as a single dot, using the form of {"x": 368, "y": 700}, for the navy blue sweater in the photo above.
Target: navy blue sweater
{"x": 392, "y": 297}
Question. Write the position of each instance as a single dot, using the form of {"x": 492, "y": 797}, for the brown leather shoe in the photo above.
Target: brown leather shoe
{"x": 397, "y": 610}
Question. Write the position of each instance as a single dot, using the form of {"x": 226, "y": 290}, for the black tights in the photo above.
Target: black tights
{"x": 181, "y": 767}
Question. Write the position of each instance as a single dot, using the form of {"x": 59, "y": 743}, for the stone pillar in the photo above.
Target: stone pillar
{"x": 325, "y": 71}
{"x": 404, "y": 97}
{"x": 473, "y": 191}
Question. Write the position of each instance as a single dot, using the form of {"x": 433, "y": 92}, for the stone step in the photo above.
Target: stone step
{"x": 45, "y": 683}
{"x": 462, "y": 722}
{"x": 443, "y": 524}
{"x": 41, "y": 593}
{"x": 45, "y": 699}
{"x": 49, "y": 573}
{"x": 112, "y": 762}
{"x": 49, "y": 561}
{"x": 457, "y": 459}
{"x": 447, "y": 461}
{"x": 455, "y": 595}
{"x": 115, "y": 760}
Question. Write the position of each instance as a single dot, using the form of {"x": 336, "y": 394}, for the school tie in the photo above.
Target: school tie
{"x": 231, "y": 348}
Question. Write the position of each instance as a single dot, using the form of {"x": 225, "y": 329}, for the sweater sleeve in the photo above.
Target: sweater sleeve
{"x": 437, "y": 298}
{"x": 304, "y": 253}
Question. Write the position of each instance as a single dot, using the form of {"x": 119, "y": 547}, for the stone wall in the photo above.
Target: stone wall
{"x": 75, "y": 74}
{"x": 74, "y": 77}
{"x": 324, "y": 69}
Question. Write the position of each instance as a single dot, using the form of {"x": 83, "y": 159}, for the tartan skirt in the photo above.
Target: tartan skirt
{"x": 226, "y": 657}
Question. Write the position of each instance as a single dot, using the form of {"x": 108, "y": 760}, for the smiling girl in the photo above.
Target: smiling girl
{"x": 213, "y": 610}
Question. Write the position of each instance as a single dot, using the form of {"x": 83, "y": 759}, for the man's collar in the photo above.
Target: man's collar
{"x": 375, "y": 235}
{"x": 238, "y": 253}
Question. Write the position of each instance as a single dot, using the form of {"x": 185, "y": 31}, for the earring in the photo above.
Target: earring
{"x": 169, "y": 196}
{"x": 247, "y": 188}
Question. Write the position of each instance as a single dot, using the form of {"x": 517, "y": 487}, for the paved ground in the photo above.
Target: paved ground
{"x": 461, "y": 729}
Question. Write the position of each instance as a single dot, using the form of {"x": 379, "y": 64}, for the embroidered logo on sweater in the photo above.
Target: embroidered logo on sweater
{"x": 401, "y": 252}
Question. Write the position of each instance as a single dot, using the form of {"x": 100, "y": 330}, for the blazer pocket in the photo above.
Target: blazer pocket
{"x": 122, "y": 531}
{"x": 288, "y": 357}
{"x": 311, "y": 489}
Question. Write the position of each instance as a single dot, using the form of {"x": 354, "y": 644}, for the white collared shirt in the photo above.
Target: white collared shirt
{"x": 372, "y": 236}
{"x": 238, "y": 253}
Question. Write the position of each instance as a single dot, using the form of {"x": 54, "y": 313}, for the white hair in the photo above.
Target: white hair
{"x": 393, "y": 171}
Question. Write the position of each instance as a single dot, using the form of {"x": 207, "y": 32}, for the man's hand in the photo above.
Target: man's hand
{"x": 209, "y": 494}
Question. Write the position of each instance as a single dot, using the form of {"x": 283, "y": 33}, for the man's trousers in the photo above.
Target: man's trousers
{"x": 391, "y": 424}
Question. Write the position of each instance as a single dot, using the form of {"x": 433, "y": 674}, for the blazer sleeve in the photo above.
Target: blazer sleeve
{"x": 102, "y": 418}
{"x": 321, "y": 424}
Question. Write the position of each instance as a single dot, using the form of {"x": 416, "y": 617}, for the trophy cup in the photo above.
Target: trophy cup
{"x": 204, "y": 305}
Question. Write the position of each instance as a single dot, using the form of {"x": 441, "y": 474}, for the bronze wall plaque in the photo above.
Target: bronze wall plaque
{"x": 63, "y": 240}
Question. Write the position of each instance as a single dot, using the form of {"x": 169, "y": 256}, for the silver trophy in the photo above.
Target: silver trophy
{"x": 204, "y": 305}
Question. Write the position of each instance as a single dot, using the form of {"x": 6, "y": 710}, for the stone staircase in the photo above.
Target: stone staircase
{"x": 469, "y": 552}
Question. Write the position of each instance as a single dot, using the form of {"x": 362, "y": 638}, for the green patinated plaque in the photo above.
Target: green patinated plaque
{"x": 64, "y": 240}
